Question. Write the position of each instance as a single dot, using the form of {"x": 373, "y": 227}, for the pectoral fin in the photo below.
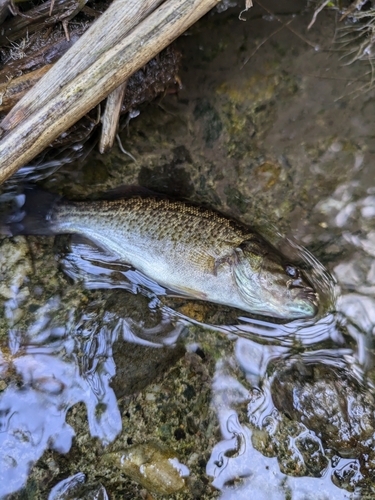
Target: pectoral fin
{"x": 209, "y": 263}
{"x": 202, "y": 260}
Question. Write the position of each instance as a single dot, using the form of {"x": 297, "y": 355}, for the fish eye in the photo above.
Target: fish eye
{"x": 291, "y": 271}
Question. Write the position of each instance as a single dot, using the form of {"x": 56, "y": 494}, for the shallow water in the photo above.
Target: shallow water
{"x": 110, "y": 388}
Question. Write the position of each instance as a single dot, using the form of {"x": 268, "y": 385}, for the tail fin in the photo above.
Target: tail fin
{"x": 32, "y": 213}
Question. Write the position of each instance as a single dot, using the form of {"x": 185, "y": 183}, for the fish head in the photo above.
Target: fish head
{"x": 270, "y": 285}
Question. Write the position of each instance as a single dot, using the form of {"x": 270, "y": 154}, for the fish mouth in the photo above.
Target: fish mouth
{"x": 309, "y": 295}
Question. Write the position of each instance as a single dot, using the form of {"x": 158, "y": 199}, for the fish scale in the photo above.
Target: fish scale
{"x": 160, "y": 219}
{"x": 186, "y": 248}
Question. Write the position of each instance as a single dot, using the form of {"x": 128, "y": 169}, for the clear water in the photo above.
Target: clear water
{"x": 105, "y": 377}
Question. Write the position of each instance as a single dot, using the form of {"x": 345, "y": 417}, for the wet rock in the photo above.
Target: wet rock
{"x": 15, "y": 265}
{"x": 155, "y": 467}
{"x": 172, "y": 178}
{"x": 138, "y": 366}
{"x": 313, "y": 456}
{"x": 76, "y": 487}
{"x": 348, "y": 475}
{"x": 329, "y": 402}
{"x": 67, "y": 487}
{"x": 211, "y": 123}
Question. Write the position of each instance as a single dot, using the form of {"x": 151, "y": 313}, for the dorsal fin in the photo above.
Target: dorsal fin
{"x": 126, "y": 191}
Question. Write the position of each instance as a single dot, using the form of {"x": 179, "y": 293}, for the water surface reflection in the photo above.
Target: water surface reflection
{"x": 304, "y": 406}
{"x": 292, "y": 400}
{"x": 287, "y": 413}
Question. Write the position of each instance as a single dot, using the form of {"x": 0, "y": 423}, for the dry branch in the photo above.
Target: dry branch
{"x": 111, "y": 117}
{"x": 66, "y": 93}
{"x": 111, "y": 28}
{"x": 11, "y": 92}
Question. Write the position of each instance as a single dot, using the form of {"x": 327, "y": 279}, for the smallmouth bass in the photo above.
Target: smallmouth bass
{"x": 187, "y": 249}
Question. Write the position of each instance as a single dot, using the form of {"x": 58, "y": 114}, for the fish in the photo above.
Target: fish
{"x": 191, "y": 250}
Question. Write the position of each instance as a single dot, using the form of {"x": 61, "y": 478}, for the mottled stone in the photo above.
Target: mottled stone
{"x": 331, "y": 403}
{"x": 151, "y": 464}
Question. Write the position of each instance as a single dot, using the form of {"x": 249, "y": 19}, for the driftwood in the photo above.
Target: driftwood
{"x": 114, "y": 24}
{"x": 11, "y": 92}
{"x": 42, "y": 17}
{"x": 27, "y": 58}
{"x": 111, "y": 117}
{"x": 158, "y": 76}
{"x": 83, "y": 77}
{"x": 40, "y": 50}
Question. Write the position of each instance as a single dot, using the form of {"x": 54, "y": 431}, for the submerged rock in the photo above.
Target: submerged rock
{"x": 339, "y": 412}
{"x": 15, "y": 268}
{"x": 155, "y": 467}
{"x": 67, "y": 487}
{"x": 331, "y": 403}
{"x": 75, "y": 487}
